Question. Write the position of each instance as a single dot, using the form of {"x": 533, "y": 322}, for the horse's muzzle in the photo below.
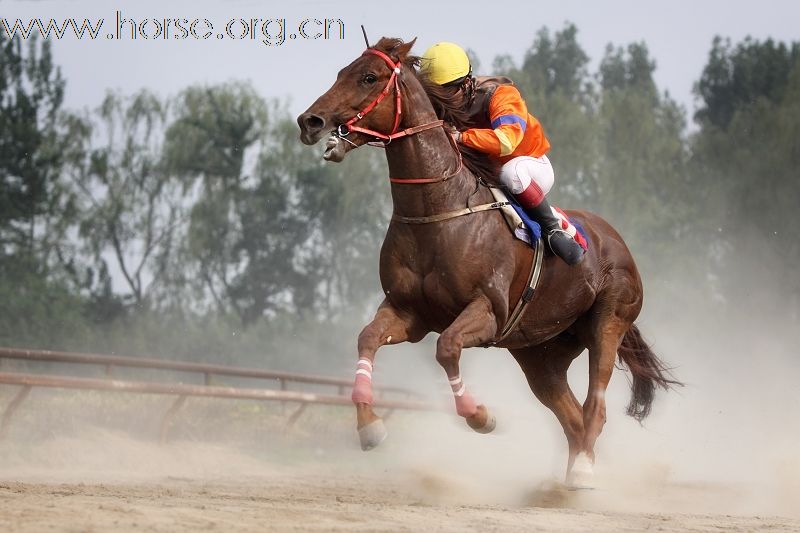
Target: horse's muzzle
{"x": 312, "y": 127}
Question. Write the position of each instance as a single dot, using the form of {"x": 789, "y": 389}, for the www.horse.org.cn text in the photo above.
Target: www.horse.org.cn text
{"x": 268, "y": 31}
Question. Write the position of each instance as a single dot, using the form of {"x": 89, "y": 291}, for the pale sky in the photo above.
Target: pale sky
{"x": 678, "y": 34}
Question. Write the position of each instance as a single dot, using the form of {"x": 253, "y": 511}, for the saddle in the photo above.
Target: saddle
{"x": 523, "y": 226}
{"x": 525, "y": 229}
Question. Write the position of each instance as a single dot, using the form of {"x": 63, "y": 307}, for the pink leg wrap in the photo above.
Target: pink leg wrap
{"x": 465, "y": 403}
{"x": 362, "y": 389}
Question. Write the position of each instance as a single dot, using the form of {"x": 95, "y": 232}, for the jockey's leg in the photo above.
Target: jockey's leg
{"x": 388, "y": 327}
{"x": 529, "y": 179}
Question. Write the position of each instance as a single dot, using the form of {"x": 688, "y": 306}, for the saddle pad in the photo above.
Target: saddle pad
{"x": 522, "y": 225}
{"x": 525, "y": 229}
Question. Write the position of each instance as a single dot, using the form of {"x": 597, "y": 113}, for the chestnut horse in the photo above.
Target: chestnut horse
{"x": 461, "y": 276}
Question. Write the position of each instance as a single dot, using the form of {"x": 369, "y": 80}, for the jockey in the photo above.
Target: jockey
{"x": 503, "y": 128}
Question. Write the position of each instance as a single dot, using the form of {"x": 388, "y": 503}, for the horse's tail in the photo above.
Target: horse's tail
{"x": 648, "y": 372}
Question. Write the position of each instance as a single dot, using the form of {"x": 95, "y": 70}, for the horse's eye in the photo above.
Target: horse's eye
{"x": 369, "y": 79}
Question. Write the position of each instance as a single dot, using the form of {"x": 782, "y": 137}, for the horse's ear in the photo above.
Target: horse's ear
{"x": 403, "y": 50}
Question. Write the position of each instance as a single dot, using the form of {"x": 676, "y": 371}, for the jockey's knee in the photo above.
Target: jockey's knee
{"x": 518, "y": 173}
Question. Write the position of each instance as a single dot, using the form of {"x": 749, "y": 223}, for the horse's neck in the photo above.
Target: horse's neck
{"x": 428, "y": 154}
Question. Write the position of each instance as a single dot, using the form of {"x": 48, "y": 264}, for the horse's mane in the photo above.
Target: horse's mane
{"x": 447, "y": 108}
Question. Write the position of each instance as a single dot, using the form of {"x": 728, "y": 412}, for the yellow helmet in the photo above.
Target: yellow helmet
{"x": 445, "y": 62}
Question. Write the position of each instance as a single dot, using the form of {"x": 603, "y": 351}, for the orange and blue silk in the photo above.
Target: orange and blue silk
{"x": 514, "y": 131}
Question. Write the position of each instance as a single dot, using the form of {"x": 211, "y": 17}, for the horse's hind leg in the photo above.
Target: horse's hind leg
{"x": 388, "y": 327}
{"x": 474, "y": 326}
{"x": 611, "y": 316}
{"x": 545, "y": 368}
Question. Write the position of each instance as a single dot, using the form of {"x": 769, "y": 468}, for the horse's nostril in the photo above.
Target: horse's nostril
{"x": 313, "y": 122}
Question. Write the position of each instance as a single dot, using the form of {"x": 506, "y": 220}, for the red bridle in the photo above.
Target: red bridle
{"x": 344, "y": 130}
{"x": 394, "y": 82}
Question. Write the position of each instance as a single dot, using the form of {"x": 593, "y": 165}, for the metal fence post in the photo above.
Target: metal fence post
{"x": 12, "y": 407}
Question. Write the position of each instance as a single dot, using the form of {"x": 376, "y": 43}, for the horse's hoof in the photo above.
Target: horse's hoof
{"x": 486, "y": 427}
{"x": 581, "y": 476}
{"x": 372, "y": 434}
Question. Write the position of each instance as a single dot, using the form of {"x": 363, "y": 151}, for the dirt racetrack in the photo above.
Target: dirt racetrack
{"x": 104, "y": 480}
{"x": 322, "y": 503}
{"x": 711, "y": 457}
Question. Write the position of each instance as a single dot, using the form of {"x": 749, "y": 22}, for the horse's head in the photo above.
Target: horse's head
{"x": 361, "y": 103}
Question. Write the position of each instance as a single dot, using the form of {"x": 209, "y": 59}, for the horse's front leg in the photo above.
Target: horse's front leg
{"x": 474, "y": 326}
{"x": 389, "y": 326}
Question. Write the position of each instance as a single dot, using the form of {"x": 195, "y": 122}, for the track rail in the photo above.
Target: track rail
{"x": 64, "y": 382}
{"x": 209, "y": 370}
{"x": 182, "y": 391}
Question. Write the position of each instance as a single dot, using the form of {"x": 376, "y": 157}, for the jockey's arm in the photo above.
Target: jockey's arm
{"x": 508, "y": 114}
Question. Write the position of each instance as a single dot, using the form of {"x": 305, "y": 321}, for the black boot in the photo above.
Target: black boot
{"x": 559, "y": 241}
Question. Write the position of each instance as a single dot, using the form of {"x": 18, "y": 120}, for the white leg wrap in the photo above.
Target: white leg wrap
{"x": 580, "y": 477}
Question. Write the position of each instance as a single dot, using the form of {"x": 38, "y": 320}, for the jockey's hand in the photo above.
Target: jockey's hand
{"x": 454, "y": 132}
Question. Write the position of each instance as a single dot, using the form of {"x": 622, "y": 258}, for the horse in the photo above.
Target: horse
{"x": 461, "y": 276}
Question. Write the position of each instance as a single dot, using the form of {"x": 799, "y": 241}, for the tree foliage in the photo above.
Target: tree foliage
{"x": 272, "y": 229}
{"x": 31, "y": 93}
{"x": 203, "y": 208}
{"x": 642, "y": 173}
{"x": 746, "y": 156}
{"x": 36, "y": 209}
{"x": 130, "y": 205}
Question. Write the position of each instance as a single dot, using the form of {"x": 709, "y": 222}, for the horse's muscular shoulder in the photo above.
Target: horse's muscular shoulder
{"x": 399, "y": 278}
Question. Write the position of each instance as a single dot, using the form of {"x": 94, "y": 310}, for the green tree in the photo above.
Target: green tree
{"x": 38, "y": 140}
{"x": 348, "y": 207}
{"x": 131, "y": 207}
{"x": 31, "y": 94}
{"x": 735, "y": 78}
{"x": 274, "y": 229}
{"x": 642, "y": 173}
{"x": 243, "y": 231}
{"x": 746, "y": 156}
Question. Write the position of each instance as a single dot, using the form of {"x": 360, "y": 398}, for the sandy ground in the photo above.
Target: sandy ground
{"x": 83, "y": 462}
{"x": 298, "y": 502}
{"x": 107, "y": 481}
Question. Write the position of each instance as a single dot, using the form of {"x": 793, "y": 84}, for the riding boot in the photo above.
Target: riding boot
{"x": 560, "y": 242}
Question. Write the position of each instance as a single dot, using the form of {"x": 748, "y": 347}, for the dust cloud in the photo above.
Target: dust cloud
{"x": 725, "y": 443}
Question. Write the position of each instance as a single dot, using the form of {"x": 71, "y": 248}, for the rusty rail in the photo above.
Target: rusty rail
{"x": 181, "y": 390}
{"x": 109, "y": 361}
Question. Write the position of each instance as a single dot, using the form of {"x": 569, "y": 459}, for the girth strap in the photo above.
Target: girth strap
{"x": 527, "y": 295}
{"x": 449, "y": 214}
